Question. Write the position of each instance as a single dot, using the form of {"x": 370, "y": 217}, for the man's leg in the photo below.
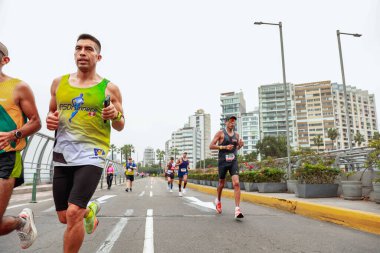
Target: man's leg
{"x": 236, "y": 185}
{"x": 74, "y": 234}
{"x": 7, "y": 223}
{"x": 184, "y": 183}
{"x": 220, "y": 188}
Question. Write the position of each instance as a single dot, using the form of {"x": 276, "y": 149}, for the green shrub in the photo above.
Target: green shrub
{"x": 316, "y": 174}
{"x": 248, "y": 176}
{"x": 270, "y": 175}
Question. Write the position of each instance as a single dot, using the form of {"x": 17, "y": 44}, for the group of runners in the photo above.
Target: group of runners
{"x": 182, "y": 168}
{"x": 83, "y": 108}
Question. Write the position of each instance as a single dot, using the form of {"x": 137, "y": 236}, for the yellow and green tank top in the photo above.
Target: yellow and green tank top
{"x": 82, "y": 137}
{"x": 11, "y": 115}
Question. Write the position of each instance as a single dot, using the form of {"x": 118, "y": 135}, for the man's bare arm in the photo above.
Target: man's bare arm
{"x": 215, "y": 141}
{"x": 111, "y": 112}
{"x": 52, "y": 119}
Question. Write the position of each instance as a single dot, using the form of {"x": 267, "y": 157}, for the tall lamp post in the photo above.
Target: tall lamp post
{"x": 348, "y": 123}
{"x": 279, "y": 24}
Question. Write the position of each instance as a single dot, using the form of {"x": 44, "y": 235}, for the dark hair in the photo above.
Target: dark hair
{"x": 171, "y": 158}
{"x": 85, "y": 36}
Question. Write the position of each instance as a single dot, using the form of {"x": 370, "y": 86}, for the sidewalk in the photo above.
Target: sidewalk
{"x": 360, "y": 214}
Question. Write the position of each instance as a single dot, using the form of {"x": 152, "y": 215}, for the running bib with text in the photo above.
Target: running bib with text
{"x": 230, "y": 157}
{"x": 183, "y": 170}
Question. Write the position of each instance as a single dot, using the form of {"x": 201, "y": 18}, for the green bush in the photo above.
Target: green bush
{"x": 316, "y": 174}
{"x": 248, "y": 176}
{"x": 270, "y": 175}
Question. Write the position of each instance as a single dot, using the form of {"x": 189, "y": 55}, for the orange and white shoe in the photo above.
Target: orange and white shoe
{"x": 238, "y": 213}
{"x": 218, "y": 206}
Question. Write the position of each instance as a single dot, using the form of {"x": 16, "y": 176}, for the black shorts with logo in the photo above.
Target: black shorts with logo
{"x": 75, "y": 185}
{"x": 11, "y": 166}
{"x": 131, "y": 177}
{"x": 231, "y": 167}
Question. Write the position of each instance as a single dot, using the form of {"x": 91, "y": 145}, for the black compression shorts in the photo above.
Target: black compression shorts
{"x": 231, "y": 167}
{"x": 75, "y": 184}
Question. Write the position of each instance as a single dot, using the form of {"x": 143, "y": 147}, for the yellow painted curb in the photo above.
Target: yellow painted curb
{"x": 364, "y": 221}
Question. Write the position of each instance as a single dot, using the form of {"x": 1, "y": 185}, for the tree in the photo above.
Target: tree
{"x": 160, "y": 156}
{"x": 175, "y": 152}
{"x": 113, "y": 148}
{"x": 127, "y": 150}
{"x": 373, "y": 159}
{"x": 274, "y": 146}
{"x": 208, "y": 162}
{"x": 332, "y": 133}
{"x": 359, "y": 138}
{"x": 318, "y": 141}
{"x": 376, "y": 136}
{"x": 251, "y": 157}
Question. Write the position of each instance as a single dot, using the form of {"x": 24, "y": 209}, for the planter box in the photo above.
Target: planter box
{"x": 250, "y": 187}
{"x": 202, "y": 182}
{"x": 242, "y": 187}
{"x": 291, "y": 185}
{"x": 229, "y": 185}
{"x": 189, "y": 180}
{"x": 376, "y": 191}
{"x": 208, "y": 182}
{"x": 317, "y": 190}
{"x": 196, "y": 181}
{"x": 215, "y": 183}
{"x": 271, "y": 187}
{"x": 352, "y": 190}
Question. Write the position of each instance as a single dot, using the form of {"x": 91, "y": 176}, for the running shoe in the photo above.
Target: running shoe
{"x": 184, "y": 190}
{"x": 171, "y": 190}
{"x": 28, "y": 233}
{"x": 130, "y": 189}
{"x": 126, "y": 190}
{"x": 238, "y": 213}
{"x": 218, "y": 206}
{"x": 180, "y": 194}
{"x": 91, "y": 221}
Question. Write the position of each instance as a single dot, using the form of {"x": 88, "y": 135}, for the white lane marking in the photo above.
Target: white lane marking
{"x": 51, "y": 209}
{"x": 198, "y": 202}
{"x": 10, "y": 207}
{"x": 142, "y": 194}
{"x": 14, "y": 206}
{"x": 151, "y": 194}
{"x": 115, "y": 234}
{"x": 105, "y": 197}
{"x": 148, "y": 242}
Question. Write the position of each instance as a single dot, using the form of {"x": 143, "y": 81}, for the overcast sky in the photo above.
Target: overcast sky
{"x": 170, "y": 58}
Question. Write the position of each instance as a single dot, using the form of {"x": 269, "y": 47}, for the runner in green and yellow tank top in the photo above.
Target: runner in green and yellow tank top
{"x": 82, "y": 141}
{"x": 17, "y": 105}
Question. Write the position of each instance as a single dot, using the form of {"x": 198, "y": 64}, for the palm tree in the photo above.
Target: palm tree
{"x": 359, "y": 138}
{"x": 318, "y": 141}
{"x": 160, "y": 155}
{"x": 112, "y": 149}
{"x": 127, "y": 150}
{"x": 175, "y": 152}
{"x": 332, "y": 133}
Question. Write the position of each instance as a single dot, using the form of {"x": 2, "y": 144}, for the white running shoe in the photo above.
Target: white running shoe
{"x": 238, "y": 213}
{"x": 171, "y": 190}
{"x": 28, "y": 233}
{"x": 184, "y": 190}
{"x": 180, "y": 194}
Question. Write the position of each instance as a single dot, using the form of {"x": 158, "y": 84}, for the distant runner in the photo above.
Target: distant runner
{"x": 183, "y": 170}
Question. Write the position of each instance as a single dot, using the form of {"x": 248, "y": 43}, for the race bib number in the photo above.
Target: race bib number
{"x": 230, "y": 157}
{"x": 129, "y": 170}
{"x": 183, "y": 170}
{"x": 169, "y": 172}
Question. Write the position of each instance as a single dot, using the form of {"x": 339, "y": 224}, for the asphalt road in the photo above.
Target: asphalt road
{"x": 151, "y": 219}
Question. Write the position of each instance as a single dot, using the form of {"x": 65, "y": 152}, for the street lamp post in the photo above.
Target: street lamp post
{"x": 338, "y": 33}
{"x": 279, "y": 24}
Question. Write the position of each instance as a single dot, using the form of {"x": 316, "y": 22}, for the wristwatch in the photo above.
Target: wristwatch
{"x": 118, "y": 117}
{"x": 18, "y": 134}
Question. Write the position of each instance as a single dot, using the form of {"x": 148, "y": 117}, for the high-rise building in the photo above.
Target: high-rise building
{"x": 168, "y": 150}
{"x": 362, "y": 114}
{"x": 233, "y": 103}
{"x": 321, "y": 105}
{"x": 202, "y": 121}
{"x": 273, "y": 113}
{"x": 149, "y": 156}
{"x": 314, "y": 113}
{"x": 188, "y": 139}
{"x": 250, "y": 131}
